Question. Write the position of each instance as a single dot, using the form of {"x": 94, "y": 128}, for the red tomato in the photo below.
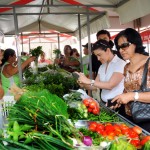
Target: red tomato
{"x": 90, "y": 109}
{"x": 136, "y": 143}
{"x": 145, "y": 139}
{"x": 95, "y": 111}
{"x": 109, "y": 128}
{"x": 110, "y": 137}
{"x": 92, "y": 126}
{"x": 124, "y": 126}
{"x": 117, "y": 127}
{"x": 125, "y": 131}
{"x": 110, "y": 132}
{"x": 93, "y": 105}
{"x": 108, "y": 124}
{"x": 132, "y": 134}
{"x": 99, "y": 131}
{"x": 117, "y": 132}
{"x": 86, "y": 102}
{"x": 104, "y": 134}
{"x": 100, "y": 126}
{"x": 137, "y": 129}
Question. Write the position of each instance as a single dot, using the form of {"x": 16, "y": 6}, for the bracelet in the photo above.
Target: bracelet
{"x": 92, "y": 82}
{"x": 136, "y": 96}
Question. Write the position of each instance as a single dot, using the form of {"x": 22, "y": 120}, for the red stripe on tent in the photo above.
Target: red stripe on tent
{"x": 113, "y": 37}
{"x": 20, "y": 2}
{"x": 4, "y": 9}
{"x": 73, "y": 2}
{"x": 145, "y": 35}
{"x": 27, "y": 41}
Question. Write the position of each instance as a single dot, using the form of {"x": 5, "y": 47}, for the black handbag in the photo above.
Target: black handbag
{"x": 141, "y": 111}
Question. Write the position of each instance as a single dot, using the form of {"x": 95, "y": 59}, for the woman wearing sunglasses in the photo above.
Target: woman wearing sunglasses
{"x": 110, "y": 76}
{"x": 129, "y": 43}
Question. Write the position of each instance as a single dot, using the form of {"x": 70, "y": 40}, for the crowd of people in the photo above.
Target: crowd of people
{"x": 118, "y": 78}
{"x": 116, "y": 73}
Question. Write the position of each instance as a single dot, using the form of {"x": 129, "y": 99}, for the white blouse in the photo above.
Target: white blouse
{"x": 116, "y": 65}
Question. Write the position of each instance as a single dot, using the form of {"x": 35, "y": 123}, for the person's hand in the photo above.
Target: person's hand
{"x": 123, "y": 98}
{"x": 80, "y": 84}
{"x": 57, "y": 61}
{"x": 66, "y": 62}
{"x": 1, "y": 92}
{"x": 32, "y": 58}
{"x": 83, "y": 79}
{"x": 114, "y": 107}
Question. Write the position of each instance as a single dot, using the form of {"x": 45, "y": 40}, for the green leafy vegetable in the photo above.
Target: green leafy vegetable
{"x": 36, "y": 51}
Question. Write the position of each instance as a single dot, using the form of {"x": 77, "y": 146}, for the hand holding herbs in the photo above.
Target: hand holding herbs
{"x": 36, "y": 51}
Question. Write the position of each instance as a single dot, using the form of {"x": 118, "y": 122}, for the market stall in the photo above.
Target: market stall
{"x": 53, "y": 113}
{"x": 43, "y": 116}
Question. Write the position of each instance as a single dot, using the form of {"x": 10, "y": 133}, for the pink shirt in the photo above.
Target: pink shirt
{"x": 45, "y": 61}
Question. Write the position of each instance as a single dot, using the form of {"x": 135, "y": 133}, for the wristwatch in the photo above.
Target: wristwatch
{"x": 92, "y": 82}
{"x": 136, "y": 96}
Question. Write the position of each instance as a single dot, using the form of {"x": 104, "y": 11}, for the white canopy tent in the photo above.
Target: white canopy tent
{"x": 62, "y": 15}
{"x": 80, "y": 18}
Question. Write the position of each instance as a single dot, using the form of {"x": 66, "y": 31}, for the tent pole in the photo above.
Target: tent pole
{"x": 29, "y": 46}
{"x": 58, "y": 41}
{"x": 80, "y": 47}
{"x": 89, "y": 48}
{"x": 17, "y": 45}
{"x": 22, "y": 40}
{"x": 89, "y": 43}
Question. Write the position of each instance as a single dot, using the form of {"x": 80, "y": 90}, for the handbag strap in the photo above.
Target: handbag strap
{"x": 143, "y": 86}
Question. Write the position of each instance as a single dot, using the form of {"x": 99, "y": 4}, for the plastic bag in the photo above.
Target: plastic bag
{"x": 92, "y": 105}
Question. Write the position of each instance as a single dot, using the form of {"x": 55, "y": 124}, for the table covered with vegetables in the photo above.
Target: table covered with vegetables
{"x": 54, "y": 114}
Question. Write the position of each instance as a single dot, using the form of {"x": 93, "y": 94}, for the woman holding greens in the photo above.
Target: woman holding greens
{"x": 68, "y": 62}
{"x": 9, "y": 71}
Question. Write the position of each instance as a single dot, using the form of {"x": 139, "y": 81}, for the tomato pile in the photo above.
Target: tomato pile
{"x": 111, "y": 131}
{"x": 92, "y": 105}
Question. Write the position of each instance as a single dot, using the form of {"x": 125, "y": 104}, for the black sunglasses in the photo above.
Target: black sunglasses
{"x": 124, "y": 45}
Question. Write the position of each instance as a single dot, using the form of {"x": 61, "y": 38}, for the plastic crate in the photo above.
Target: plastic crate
{"x": 5, "y": 105}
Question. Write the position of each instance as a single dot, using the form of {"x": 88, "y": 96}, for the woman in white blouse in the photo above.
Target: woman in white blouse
{"x": 110, "y": 76}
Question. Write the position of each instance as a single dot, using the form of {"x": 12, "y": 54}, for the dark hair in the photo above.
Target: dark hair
{"x": 108, "y": 34}
{"x": 134, "y": 38}
{"x": 43, "y": 53}
{"x": 73, "y": 51}
{"x": 111, "y": 43}
{"x": 102, "y": 44}
{"x": 2, "y": 50}
{"x": 103, "y": 32}
{"x": 67, "y": 46}
{"x": 24, "y": 53}
{"x": 8, "y": 52}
